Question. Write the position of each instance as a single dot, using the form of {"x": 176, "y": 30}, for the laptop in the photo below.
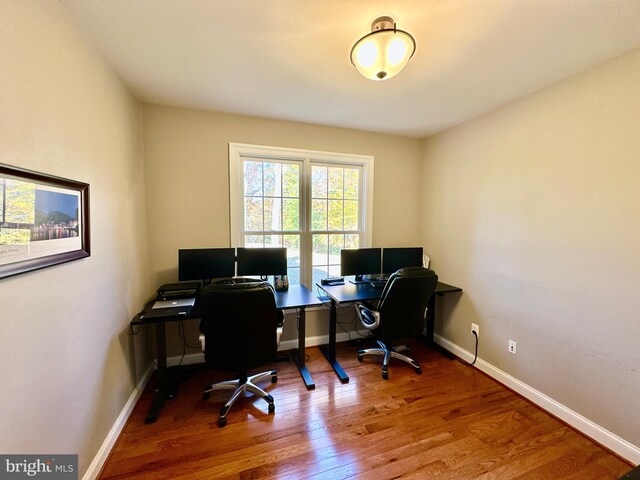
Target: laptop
{"x": 178, "y": 302}
{"x": 170, "y": 308}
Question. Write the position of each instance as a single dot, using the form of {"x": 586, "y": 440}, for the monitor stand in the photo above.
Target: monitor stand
{"x": 358, "y": 280}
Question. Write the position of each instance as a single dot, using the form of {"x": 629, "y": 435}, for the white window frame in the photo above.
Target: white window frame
{"x": 305, "y": 157}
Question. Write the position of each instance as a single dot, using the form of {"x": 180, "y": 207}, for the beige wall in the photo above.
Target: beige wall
{"x": 534, "y": 211}
{"x": 66, "y": 361}
{"x": 187, "y": 175}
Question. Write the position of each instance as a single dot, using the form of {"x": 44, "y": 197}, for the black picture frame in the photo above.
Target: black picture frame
{"x": 44, "y": 220}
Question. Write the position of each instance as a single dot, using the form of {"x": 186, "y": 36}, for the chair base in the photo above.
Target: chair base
{"x": 388, "y": 354}
{"x": 239, "y": 387}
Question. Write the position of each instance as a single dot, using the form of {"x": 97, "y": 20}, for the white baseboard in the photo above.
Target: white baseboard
{"x": 582, "y": 424}
{"x": 188, "y": 359}
{"x": 195, "y": 358}
{"x": 103, "y": 452}
{"x": 314, "y": 341}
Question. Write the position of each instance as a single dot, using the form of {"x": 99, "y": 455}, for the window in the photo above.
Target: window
{"x": 335, "y": 211}
{"x": 271, "y": 208}
{"x": 313, "y": 203}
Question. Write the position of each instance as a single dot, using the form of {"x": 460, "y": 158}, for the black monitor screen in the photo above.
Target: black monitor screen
{"x": 206, "y": 263}
{"x": 262, "y": 261}
{"x": 396, "y": 258}
{"x": 360, "y": 261}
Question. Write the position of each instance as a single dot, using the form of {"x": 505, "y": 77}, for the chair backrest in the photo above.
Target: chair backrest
{"x": 239, "y": 321}
{"x": 404, "y": 301}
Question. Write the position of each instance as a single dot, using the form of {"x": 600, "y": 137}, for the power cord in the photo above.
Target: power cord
{"x": 306, "y": 355}
{"x": 131, "y": 329}
{"x": 475, "y": 357}
{"x": 342, "y": 323}
{"x": 146, "y": 347}
{"x": 183, "y": 336}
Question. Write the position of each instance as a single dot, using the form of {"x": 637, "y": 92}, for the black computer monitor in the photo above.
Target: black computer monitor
{"x": 396, "y": 258}
{"x": 262, "y": 261}
{"x": 206, "y": 263}
{"x": 359, "y": 262}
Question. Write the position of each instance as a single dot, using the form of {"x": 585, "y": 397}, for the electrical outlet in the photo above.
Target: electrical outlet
{"x": 475, "y": 328}
{"x": 513, "y": 346}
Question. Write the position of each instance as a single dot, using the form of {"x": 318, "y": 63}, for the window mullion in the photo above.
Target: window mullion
{"x": 343, "y": 203}
{"x": 306, "y": 241}
{"x": 282, "y": 204}
{"x": 263, "y": 200}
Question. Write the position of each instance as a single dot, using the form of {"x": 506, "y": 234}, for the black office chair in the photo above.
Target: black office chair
{"x": 241, "y": 329}
{"x": 398, "y": 314}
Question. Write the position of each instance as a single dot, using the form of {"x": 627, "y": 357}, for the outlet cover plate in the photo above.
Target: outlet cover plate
{"x": 475, "y": 328}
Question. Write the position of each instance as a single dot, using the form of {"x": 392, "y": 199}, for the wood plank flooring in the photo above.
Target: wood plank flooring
{"x": 451, "y": 422}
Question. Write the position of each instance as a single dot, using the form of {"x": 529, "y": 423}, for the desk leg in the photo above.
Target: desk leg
{"x": 329, "y": 351}
{"x": 431, "y": 320}
{"x": 162, "y": 375}
{"x": 299, "y": 358}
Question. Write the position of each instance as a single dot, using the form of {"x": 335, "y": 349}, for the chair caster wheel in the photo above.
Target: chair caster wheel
{"x": 272, "y": 408}
{"x": 418, "y": 370}
{"x": 274, "y": 379}
{"x": 205, "y": 396}
{"x": 385, "y": 375}
{"x": 222, "y": 421}
{"x": 359, "y": 358}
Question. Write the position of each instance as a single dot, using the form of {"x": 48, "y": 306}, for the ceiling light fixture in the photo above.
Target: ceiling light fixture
{"x": 384, "y": 52}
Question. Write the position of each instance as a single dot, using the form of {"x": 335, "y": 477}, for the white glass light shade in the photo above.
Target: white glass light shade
{"x": 383, "y": 53}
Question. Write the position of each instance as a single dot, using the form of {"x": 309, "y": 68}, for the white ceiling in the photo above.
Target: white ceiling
{"x": 289, "y": 59}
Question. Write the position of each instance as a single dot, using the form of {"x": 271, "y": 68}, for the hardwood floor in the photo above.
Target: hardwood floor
{"x": 451, "y": 422}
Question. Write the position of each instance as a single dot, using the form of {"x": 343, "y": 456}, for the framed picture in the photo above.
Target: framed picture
{"x": 44, "y": 220}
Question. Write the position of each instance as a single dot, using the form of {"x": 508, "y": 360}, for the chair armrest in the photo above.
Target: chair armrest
{"x": 279, "y": 325}
{"x": 279, "y": 334}
{"x": 369, "y": 317}
{"x": 201, "y": 338}
{"x": 368, "y": 305}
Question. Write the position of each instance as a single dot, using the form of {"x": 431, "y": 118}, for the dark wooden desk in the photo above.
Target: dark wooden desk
{"x": 349, "y": 293}
{"x": 167, "y": 382}
{"x": 297, "y": 296}
{"x": 346, "y": 293}
{"x": 441, "y": 290}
